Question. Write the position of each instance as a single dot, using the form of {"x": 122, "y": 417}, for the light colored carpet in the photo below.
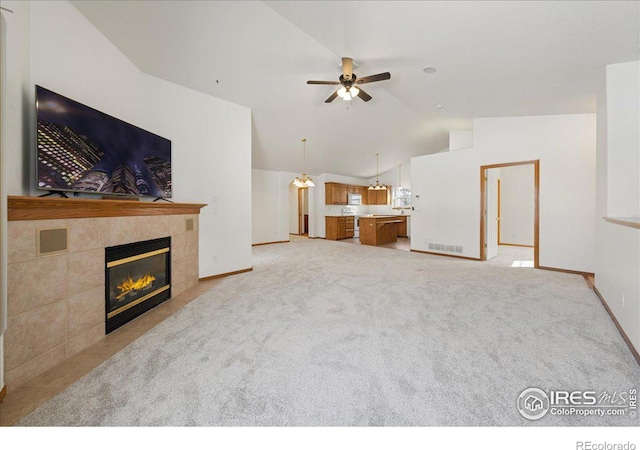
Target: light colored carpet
{"x": 322, "y": 333}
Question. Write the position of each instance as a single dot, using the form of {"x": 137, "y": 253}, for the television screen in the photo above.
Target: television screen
{"x": 81, "y": 149}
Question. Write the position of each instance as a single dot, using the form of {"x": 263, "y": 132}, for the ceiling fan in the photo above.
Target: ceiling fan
{"x": 348, "y": 80}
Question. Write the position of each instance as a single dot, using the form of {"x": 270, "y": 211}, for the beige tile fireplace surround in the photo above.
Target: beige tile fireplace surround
{"x": 56, "y": 302}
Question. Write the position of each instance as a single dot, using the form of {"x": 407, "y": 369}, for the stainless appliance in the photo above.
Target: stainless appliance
{"x": 351, "y": 211}
{"x": 354, "y": 199}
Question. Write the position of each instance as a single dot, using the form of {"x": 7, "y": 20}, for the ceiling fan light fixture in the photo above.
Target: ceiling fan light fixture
{"x": 348, "y": 91}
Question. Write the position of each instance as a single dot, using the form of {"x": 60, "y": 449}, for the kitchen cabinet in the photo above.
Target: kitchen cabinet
{"x": 380, "y": 197}
{"x": 378, "y": 230}
{"x": 338, "y": 194}
{"x": 349, "y": 227}
{"x": 402, "y": 226}
{"x": 339, "y": 227}
{"x": 335, "y": 194}
{"x": 364, "y": 191}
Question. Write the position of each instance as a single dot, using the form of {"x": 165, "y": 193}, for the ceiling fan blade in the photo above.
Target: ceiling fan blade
{"x": 347, "y": 68}
{"x": 322, "y": 82}
{"x": 364, "y": 96}
{"x": 372, "y": 78}
{"x": 332, "y": 98}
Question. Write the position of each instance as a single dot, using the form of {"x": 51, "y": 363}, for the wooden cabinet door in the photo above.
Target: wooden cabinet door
{"x": 343, "y": 194}
{"x": 328, "y": 194}
{"x": 331, "y": 230}
{"x": 402, "y": 227}
{"x": 381, "y": 198}
{"x": 372, "y": 197}
{"x": 342, "y": 229}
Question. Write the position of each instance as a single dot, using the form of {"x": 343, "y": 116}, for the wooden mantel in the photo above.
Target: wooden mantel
{"x": 41, "y": 208}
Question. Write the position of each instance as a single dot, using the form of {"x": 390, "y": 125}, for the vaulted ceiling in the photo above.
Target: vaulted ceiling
{"x": 492, "y": 59}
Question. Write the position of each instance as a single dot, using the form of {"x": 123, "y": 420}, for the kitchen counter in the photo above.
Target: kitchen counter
{"x": 378, "y": 230}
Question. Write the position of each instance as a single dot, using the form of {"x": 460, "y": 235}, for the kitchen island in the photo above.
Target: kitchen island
{"x": 378, "y": 230}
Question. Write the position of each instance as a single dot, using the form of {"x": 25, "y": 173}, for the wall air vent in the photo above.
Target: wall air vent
{"x": 445, "y": 248}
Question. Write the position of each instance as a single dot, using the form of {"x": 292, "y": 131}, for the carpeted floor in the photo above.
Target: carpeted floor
{"x": 322, "y": 333}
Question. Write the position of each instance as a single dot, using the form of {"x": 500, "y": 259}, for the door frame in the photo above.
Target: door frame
{"x": 536, "y": 219}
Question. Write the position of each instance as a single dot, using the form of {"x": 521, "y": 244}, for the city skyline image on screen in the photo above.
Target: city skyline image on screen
{"x": 81, "y": 149}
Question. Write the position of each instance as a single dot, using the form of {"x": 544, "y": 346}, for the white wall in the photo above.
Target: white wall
{"x": 17, "y": 98}
{"x": 293, "y": 209}
{"x": 617, "y": 247}
{"x": 623, "y": 139}
{"x": 316, "y": 208}
{"x": 269, "y": 202}
{"x": 448, "y": 186}
{"x": 460, "y": 139}
{"x": 3, "y": 202}
{"x": 211, "y": 138}
{"x": 274, "y": 205}
{"x": 517, "y": 208}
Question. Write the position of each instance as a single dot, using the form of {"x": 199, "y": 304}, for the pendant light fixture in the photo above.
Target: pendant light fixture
{"x": 377, "y": 186}
{"x": 304, "y": 181}
{"x": 399, "y": 176}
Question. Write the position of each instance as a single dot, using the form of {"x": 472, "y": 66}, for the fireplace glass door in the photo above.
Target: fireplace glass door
{"x": 138, "y": 278}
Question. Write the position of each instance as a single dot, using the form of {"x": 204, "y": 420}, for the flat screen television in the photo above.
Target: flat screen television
{"x": 80, "y": 149}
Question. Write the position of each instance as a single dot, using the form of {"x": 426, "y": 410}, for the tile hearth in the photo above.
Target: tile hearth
{"x": 26, "y": 398}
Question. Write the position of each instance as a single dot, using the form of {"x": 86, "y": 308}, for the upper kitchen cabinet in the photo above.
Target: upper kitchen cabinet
{"x": 335, "y": 194}
{"x": 338, "y": 194}
{"x": 380, "y": 197}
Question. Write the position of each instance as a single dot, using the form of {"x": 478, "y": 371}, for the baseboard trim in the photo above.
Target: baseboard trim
{"x": 443, "y": 254}
{"x": 575, "y": 272}
{"x": 267, "y": 243}
{"x": 626, "y": 339}
{"x": 222, "y": 275}
{"x": 587, "y": 279}
{"x": 316, "y": 238}
{"x": 3, "y": 394}
{"x": 516, "y": 245}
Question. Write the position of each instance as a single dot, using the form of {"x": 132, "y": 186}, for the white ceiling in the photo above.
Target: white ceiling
{"x": 492, "y": 58}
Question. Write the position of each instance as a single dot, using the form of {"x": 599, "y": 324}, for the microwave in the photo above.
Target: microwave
{"x": 354, "y": 199}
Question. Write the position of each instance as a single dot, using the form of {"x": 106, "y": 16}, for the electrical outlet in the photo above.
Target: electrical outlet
{"x": 622, "y": 300}
{"x": 215, "y": 259}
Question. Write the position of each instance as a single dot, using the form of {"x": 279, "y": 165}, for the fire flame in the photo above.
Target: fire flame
{"x": 129, "y": 285}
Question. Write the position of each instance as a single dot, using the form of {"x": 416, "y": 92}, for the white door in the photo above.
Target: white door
{"x": 491, "y": 214}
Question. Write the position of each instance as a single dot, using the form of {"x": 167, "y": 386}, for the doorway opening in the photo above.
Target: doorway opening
{"x": 303, "y": 211}
{"x": 510, "y": 212}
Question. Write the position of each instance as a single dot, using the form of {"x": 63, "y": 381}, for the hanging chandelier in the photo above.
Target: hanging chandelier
{"x": 304, "y": 181}
{"x": 377, "y": 186}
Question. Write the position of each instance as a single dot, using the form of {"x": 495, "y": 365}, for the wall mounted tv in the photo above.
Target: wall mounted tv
{"x": 84, "y": 150}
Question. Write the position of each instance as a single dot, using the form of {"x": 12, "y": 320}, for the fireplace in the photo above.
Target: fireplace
{"x": 137, "y": 278}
